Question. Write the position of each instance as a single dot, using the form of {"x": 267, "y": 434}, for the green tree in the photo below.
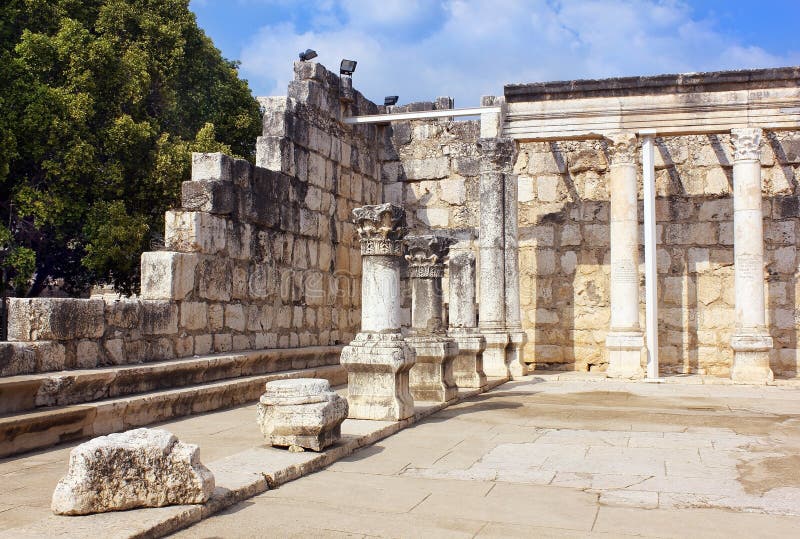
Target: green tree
{"x": 101, "y": 103}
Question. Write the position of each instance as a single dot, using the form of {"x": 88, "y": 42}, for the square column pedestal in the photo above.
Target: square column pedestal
{"x": 751, "y": 360}
{"x": 494, "y": 355}
{"x": 625, "y": 354}
{"x": 468, "y": 364}
{"x": 377, "y": 367}
{"x": 431, "y": 378}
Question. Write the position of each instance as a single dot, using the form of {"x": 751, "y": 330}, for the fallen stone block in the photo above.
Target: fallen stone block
{"x": 138, "y": 468}
{"x": 301, "y": 413}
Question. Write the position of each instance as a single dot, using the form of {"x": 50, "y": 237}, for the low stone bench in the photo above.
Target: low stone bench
{"x": 301, "y": 413}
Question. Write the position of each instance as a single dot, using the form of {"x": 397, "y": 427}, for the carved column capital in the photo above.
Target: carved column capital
{"x": 746, "y": 143}
{"x": 426, "y": 255}
{"x": 497, "y": 154}
{"x": 381, "y": 229}
{"x": 623, "y": 148}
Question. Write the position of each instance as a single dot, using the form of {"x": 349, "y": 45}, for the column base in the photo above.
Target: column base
{"x": 751, "y": 358}
{"x": 515, "y": 353}
{"x": 468, "y": 364}
{"x": 494, "y": 355}
{"x": 625, "y": 352}
{"x": 377, "y": 366}
{"x": 431, "y": 377}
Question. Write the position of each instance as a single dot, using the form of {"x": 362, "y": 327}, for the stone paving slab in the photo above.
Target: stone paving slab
{"x": 560, "y": 458}
{"x": 231, "y": 446}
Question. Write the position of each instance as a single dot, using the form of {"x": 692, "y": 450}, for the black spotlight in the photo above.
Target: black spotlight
{"x": 347, "y": 67}
{"x": 308, "y": 54}
{"x": 390, "y": 100}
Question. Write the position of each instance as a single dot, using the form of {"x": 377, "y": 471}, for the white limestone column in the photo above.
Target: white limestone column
{"x": 516, "y": 336}
{"x": 496, "y": 155}
{"x": 468, "y": 365}
{"x": 378, "y": 360}
{"x": 432, "y": 375}
{"x": 625, "y": 341}
{"x": 751, "y": 341}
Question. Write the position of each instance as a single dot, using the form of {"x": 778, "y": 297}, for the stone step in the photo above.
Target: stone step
{"x": 29, "y": 392}
{"x": 48, "y": 426}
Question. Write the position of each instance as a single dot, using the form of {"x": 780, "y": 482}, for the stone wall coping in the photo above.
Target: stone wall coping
{"x": 712, "y": 81}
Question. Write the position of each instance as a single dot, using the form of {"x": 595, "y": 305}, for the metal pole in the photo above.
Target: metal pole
{"x": 651, "y": 296}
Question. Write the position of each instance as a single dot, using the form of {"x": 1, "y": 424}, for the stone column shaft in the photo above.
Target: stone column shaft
{"x": 497, "y": 155}
{"x": 468, "y": 365}
{"x": 751, "y": 341}
{"x": 625, "y": 340}
{"x": 432, "y": 375}
{"x": 513, "y": 314}
{"x": 378, "y": 360}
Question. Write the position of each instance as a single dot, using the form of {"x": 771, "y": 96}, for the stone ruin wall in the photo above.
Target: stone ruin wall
{"x": 305, "y": 254}
{"x": 564, "y": 238}
{"x": 256, "y": 257}
{"x": 564, "y": 209}
{"x": 431, "y": 168}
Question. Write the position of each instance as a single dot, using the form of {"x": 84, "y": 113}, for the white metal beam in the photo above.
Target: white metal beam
{"x": 422, "y": 115}
{"x": 650, "y": 267}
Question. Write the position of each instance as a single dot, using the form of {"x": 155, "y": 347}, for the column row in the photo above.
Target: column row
{"x": 751, "y": 341}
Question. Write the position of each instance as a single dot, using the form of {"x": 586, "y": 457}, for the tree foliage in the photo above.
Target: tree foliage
{"x": 101, "y": 102}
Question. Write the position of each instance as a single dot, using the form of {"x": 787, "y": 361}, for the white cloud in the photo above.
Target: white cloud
{"x": 467, "y": 48}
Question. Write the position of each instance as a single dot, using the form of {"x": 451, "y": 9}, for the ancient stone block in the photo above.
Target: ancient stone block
{"x": 453, "y": 191}
{"x": 30, "y": 357}
{"x": 194, "y": 232}
{"x": 427, "y": 169}
{"x": 301, "y": 413}
{"x": 33, "y": 319}
{"x": 87, "y": 354}
{"x": 159, "y": 318}
{"x": 208, "y": 196}
{"x": 138, "y": 468}
{"x": 214, "y": 279}
{"x": 194, "y": 315}
{"x": 234, "y": 317}
{"x": 212, "y": 167}
{"x": 167, "y": 274}
{"x": 434, "y": 217}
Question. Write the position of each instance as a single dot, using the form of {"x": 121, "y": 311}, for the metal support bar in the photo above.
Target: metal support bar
{"x": 425, "y": 114}
{"x": 650, "y": 267}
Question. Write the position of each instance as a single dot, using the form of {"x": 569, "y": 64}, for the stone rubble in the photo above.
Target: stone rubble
{"x": 137, "y": 468}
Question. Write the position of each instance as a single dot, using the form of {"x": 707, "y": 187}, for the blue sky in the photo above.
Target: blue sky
{"x": 420, "y": 49}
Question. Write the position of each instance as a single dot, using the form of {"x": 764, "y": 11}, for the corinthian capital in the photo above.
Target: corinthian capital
{"x": 426, "y": 255}
{"x": 381, "y": 229}
{"x": 497, "y": 154}
{"x": 622, "y": 148}
{"x": 746, "y": 143}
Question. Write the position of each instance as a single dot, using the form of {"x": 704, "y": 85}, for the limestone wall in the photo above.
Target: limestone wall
{"x": 431, "y": 168}
{"x": 257, "y": 256}
{"x": 564, "y": 210}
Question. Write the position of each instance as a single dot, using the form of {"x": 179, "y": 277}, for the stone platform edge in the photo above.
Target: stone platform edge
{"x": 238, "y": 477}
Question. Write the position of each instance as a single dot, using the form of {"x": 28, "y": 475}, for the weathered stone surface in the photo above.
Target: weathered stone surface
{"x": 302, "y": 412}
{"x": 427, "y": 169}
{"x": 209, "y": 196}
{"x": 212, "y": 167}
{"x": 138, "y": 468}
{"x": 33, "y": 319}
{"x": 167, "y": 274}
{"x": 195, "y": 232}
{"x": 377, "y": 376}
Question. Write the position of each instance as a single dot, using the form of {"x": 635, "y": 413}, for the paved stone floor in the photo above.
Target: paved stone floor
{"x": 545, "y": 457}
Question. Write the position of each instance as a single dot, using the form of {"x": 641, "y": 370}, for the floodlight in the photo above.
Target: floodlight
{"x": 390, "y": 100}
{"x": 347, "y": 67}
{"x": 308, "y": 54}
